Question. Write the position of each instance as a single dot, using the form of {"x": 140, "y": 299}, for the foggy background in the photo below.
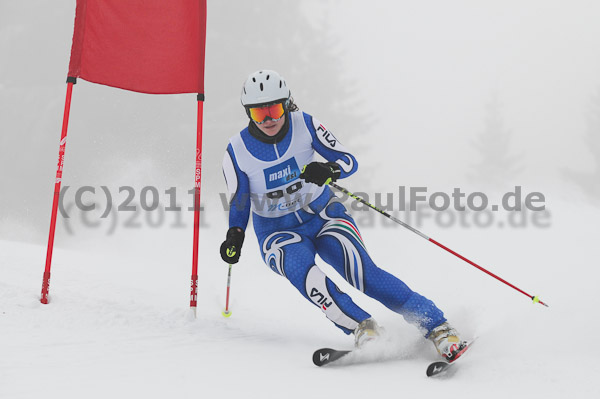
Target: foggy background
{"x": 482, "y": 96}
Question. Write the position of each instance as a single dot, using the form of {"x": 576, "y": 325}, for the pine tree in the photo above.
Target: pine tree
{"x": 498, "y": 166}
{"x": 589, "y": 181}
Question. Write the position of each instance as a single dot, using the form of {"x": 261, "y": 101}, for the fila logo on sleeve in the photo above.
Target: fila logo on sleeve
{"x": 325, "y": 135}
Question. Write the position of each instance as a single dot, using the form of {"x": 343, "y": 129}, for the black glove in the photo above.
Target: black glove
{"x": 321, "y": 173}
{"x": 231, "y": 249}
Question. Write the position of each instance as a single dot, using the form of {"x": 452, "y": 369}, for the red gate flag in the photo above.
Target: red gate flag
{"x": 148, "y": 46}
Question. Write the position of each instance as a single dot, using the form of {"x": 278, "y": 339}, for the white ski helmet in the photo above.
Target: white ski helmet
{"x": 264, "y": 86}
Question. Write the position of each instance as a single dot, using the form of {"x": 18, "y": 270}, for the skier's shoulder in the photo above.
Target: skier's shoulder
{"x": 306, "y": 117}
{"x": 234, "y": 150}
{"x": 237, "y": 139}
{"x": 311, "y": 123}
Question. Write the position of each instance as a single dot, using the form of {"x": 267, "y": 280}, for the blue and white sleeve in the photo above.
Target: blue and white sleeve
{"x": 238, "y": 186}
{"x": 324, "y": 142}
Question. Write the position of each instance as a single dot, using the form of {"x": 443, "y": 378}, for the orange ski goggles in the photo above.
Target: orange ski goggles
{"x": 260, "y": 114}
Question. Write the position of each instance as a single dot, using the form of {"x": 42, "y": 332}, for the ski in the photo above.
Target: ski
{"x": 325, "y": 356}
{"x": 439, "y": 367}
{"x": 436, "y": 368}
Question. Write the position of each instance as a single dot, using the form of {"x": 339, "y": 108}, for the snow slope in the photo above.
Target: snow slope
{"x": 118, "y": 322}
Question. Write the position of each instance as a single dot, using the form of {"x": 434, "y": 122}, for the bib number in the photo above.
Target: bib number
{"x": 289, "y": 190}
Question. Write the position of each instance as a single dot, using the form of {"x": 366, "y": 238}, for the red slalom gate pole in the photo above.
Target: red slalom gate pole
{"x": 197, "y": 185}
{"x": 400, "y": 222}
{"x": 59, "y": 169}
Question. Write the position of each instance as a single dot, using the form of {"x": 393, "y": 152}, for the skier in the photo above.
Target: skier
{"x": 270, "y": 171}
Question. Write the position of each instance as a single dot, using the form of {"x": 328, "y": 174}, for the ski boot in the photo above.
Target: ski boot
{"x": 446, "y": 341}
{"x": 368, "y": 330}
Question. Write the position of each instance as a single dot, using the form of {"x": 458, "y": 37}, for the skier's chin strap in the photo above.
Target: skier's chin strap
{"x": 258, "y": 134}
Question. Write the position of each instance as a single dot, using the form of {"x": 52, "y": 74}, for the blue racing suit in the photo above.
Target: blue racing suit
{"x": 294, "y": 220}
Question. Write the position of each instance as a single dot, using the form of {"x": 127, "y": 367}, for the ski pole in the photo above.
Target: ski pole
{"x": 534, "y": 298}
{"x": 226, "y": 312}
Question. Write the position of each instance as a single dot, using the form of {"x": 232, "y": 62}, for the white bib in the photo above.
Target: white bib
{"x": 275, "y": 186}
